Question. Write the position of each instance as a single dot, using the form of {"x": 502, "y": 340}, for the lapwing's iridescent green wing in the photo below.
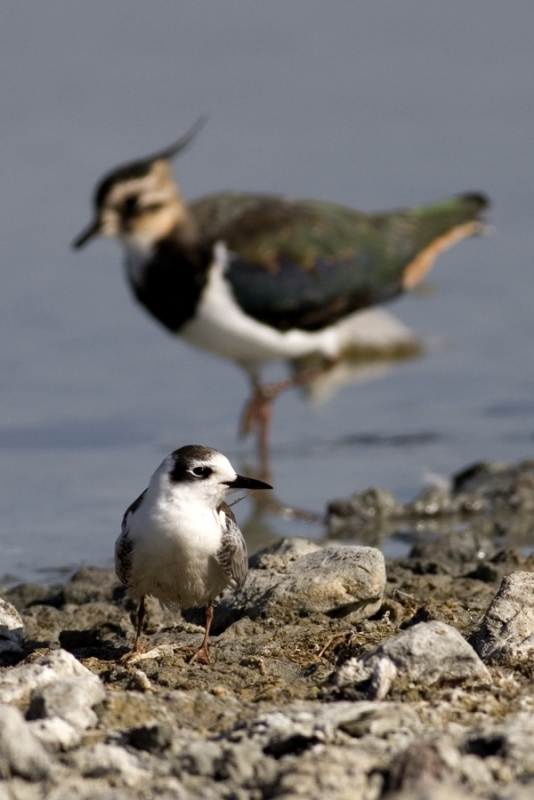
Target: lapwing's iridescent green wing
{"x": 305, "y": 264}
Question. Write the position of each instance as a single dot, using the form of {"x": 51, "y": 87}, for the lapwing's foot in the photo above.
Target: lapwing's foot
{"x": 257, "y": 411}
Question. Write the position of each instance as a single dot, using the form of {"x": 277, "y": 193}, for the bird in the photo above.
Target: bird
{"x": 257, "y": 277}
{"x": 180, "y": 541}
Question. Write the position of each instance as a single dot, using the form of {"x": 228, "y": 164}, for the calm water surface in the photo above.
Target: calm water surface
{"x": 372, "y": 105}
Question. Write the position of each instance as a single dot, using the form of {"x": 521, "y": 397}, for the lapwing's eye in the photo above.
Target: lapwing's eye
{"x": 131, "y": 206}
{"x": 202, "y": 472}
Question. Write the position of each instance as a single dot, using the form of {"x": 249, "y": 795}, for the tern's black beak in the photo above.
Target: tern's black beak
{"x": 247, "y": 483}
{"x": 87, "y": 234}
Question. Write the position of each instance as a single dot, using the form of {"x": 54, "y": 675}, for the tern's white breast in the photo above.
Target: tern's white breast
{"x": 174, "y": 553}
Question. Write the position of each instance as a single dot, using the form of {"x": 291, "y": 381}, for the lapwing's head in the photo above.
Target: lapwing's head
{"x": 140, "y": 202}
{"x": 203, "y": 475}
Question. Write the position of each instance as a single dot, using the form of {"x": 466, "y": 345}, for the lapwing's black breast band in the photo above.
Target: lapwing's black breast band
{"x": 173, "y": 281}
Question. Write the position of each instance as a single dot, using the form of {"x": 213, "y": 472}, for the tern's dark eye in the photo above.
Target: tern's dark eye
{"x": 202, "y": 472}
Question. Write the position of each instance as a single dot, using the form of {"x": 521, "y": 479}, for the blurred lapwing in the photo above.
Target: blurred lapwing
{"x": 255, "y": 277}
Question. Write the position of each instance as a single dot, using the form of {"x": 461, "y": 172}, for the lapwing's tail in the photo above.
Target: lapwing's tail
{"x": 439, "y": 226}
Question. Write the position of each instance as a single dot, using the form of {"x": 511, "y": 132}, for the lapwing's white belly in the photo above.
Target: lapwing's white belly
{"x": 221, "y": 327}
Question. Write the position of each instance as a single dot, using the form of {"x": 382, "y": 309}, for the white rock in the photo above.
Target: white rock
{"x": 11, "y": 627}
{"x": 20, "y": 752}
{"x": 507, "y": 630}
{"x": 18, "y": 683}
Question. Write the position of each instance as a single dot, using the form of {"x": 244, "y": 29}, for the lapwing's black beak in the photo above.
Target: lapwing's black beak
{"x": 87, "y": 234}
{"x": 241, "y": 482}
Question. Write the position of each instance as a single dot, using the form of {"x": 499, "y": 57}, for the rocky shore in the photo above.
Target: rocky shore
{"x": 336, "y": 674}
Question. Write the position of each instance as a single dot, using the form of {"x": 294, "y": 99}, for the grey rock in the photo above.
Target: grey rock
{"x": 11, "y": 628}
{"x": 71, "y": 700}
{"x": 17, "y": 684}
{"x": 298, "y": 577}
{"x": 337, "y": 581}
{"x": 423, "y": 654}
{"x": 20, "y": 752}
{"x": 501, "y": 483}
{"x": 507, "y": 630}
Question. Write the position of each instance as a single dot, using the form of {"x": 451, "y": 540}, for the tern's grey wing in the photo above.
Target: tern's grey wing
{"x": 124, "y": 545}
{"x": 232, "y": 554}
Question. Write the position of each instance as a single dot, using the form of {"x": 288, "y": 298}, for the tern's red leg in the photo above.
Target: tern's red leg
{"x": 140, "y": 617}
{"x": 202, "y": 654}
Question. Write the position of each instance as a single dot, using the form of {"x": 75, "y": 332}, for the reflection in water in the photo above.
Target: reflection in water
{"x": 475, "y": 514}
{"x": 393, "y": 343}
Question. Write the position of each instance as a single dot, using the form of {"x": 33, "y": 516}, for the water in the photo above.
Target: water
{"x": 372, "y": 105}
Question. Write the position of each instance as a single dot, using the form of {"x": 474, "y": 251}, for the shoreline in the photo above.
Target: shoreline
{"x": 335, "y": 673}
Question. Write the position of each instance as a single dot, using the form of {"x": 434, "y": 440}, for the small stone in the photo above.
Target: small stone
{"x": 382, "y": 679}
{"x": 362, "y": 506}
{"x": 507, "y": 630}
{"x": 11, "y": 628}
{"x": 20, "y": 752}
{"x": 423, "y": 654}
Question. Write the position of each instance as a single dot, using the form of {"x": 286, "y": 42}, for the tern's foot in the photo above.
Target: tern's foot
{"x": 199, "y": 654}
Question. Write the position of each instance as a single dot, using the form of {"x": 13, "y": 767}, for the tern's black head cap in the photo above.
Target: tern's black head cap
{"x": 187, "y": 457}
